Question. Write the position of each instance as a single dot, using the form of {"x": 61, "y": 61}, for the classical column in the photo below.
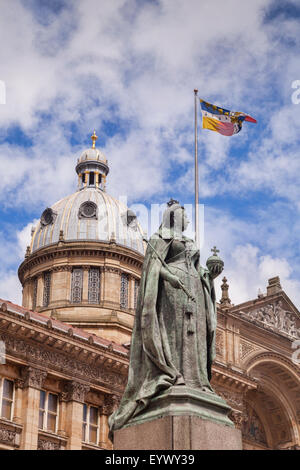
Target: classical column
{"x": 97, "y": 178}
{"x": 74, "y": 394}
{"x": 87, "y": 173}
{"x": 112, "y": 285}
{"x": 130, "y": 291}
{"x": 59, "y": 285}
{"x": 40, "y": 291}
{"x": 18, "y": 405}
{"x": 33, "y": 380}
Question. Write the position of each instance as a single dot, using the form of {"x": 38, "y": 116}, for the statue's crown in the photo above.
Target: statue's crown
{"x": 172, "y": 202}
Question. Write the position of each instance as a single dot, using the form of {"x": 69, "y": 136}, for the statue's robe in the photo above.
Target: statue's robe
{"x": 153, "y": 366}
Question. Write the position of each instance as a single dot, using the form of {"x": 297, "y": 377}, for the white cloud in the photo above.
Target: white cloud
{"x": 10, "y": 287}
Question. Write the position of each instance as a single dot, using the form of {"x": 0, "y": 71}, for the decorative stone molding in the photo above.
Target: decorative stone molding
{"x": 245, "y": 349}
{"x": 235, "y": 400}
{"x": 111, "y": 403}
{"x": 110, "y": 269}
{"x": 10, "y": 434}
{"x": 75, "y": 391}
{"x": 59, "y": 361}
{"x": 219, "y": 342}
{"x": 101, "y": 251}
{"x": 58, "y": 269}
{"x": 269, "y": 356}
{"x": 45, "y": 444}
{"x": 33, "y": 377}
{"x": 238, "y": 418}
{"x": 7, "y": 436}
{"x": 275, "y": 318}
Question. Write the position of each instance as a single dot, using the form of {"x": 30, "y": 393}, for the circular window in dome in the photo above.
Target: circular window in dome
{"x": 47, "y": 216}
{"x": 88, "y": 210}
{"x": 130, "y": 219}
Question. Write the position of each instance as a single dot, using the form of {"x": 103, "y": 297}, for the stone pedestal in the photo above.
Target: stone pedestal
{"x": 181, "y": 419}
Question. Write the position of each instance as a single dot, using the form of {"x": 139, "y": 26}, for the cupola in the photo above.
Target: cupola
{"x": 92, "y": 167}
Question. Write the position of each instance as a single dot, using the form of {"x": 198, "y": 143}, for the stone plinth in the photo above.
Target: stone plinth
{"x": 181, "y": 419}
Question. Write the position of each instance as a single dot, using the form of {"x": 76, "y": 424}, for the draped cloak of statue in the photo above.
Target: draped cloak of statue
{"x": 173, "y": 339}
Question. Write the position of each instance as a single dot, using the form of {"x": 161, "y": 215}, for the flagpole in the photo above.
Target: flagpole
{"x": 196, "y": 174}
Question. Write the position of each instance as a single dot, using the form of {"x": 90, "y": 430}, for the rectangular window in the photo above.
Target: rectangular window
{"x": 7, "y": 398}
{"x": 94, "y": 286}
{"x": 92, "y": 178}
{"x": 124, "y": 291}
{"x": 90, "y": 424}
{"x": 48, "y": 411}
{"x": 34, "y": 297}
{"x": 76, "y": 285}
{"x": 47, "y": 285}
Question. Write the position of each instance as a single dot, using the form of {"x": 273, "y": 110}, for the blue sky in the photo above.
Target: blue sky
{"x": 128, "y": 69}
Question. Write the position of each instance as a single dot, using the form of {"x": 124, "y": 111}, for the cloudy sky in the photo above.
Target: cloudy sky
{"x": 127, "y": 68}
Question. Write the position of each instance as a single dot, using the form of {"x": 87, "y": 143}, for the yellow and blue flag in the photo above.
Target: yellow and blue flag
{"x": 222, "y": 120}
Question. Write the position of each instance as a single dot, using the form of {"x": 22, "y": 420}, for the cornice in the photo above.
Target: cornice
{"x": 59, "y": 347}
{"x": 230, "y": 376}
{"x": 99, "y": 370}
{"x": 97, "y": 251}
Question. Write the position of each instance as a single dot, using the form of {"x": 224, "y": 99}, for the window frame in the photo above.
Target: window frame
{"x": 12, "y": 401}
{"x": 73, "y": 294}
{"x": 46, "y": 412}
{"x": 90, "y": 288}
{"x": 86, "y": 432}
{"x": 124, "y": 294}
{"x": 47, "y": 284}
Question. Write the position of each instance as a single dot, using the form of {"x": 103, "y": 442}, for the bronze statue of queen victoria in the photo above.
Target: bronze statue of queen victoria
{"x": 173, "y": 340}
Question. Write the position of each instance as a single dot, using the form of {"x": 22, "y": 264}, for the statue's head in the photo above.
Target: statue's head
{"x": 174, "y": 219}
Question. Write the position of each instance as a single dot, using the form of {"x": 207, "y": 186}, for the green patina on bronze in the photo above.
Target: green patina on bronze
{"x": 173, "y": 339}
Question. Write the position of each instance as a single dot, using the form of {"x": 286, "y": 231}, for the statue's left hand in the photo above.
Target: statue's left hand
{"x": 216, "y": 269}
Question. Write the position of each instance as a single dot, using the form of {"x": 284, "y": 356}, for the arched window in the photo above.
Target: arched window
{"x": 92, "y": 178}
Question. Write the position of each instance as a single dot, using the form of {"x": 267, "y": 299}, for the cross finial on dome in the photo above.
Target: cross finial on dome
{"x": 215, "y": 250}
{"x": 94, "y": 137}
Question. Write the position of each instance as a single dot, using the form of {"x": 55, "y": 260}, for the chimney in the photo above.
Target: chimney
{"x": 274, "y": 286}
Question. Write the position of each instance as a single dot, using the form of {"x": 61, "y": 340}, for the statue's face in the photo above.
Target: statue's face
{"x": 181, "y": 221}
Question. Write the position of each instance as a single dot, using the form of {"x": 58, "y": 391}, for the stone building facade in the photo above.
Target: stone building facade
{"x": 64, "y": 354}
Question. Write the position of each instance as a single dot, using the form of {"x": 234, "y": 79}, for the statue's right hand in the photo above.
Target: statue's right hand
{"x": 175, "y": 282}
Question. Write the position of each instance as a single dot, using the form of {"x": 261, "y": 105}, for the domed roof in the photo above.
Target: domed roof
{"x": 89, "y": 214}
{"x": 93, "y": 154}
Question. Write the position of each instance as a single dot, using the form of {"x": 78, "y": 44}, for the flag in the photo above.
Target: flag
{"x": 222, "y": 120}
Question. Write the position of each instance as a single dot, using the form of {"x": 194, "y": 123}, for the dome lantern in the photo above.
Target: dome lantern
{"x": 92, "y": 167}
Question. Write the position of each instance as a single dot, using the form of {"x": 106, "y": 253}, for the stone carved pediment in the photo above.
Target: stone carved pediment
{"x": 275, "y": 317}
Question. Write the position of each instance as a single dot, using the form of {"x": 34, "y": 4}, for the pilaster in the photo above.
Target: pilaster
{"x": 74, "y": 395}
{"x": 33, "y": 380}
